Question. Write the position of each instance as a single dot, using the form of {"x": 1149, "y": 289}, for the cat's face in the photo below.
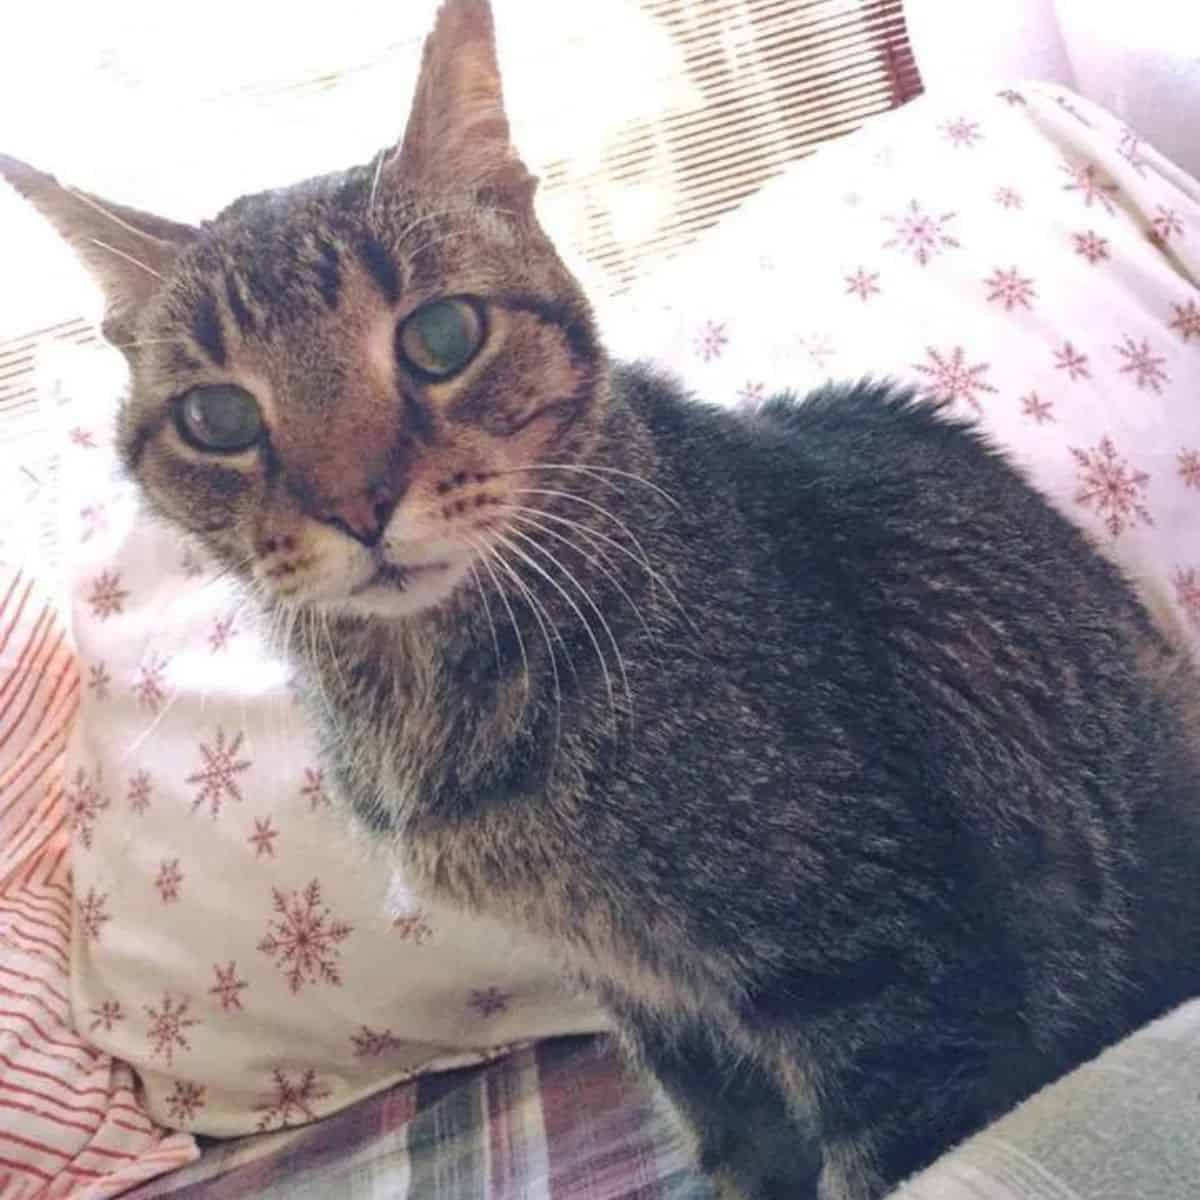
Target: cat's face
{"x": 341, "y": 387}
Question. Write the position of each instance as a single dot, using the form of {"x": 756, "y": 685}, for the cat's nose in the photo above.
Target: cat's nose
{"x": 363, "y": 516}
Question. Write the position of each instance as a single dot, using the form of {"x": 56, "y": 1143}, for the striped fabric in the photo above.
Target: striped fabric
{"x": 71, "y": 1124}
{"x": 557, "y": 1122}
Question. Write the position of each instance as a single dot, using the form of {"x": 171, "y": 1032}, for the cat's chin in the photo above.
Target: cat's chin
{"x": 393, "y": 593}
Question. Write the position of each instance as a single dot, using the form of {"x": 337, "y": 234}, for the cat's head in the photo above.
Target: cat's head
{"x": 341, "y": 386}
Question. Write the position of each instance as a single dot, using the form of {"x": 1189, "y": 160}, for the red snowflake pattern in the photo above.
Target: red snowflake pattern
{"x": 223, "y": 630}
{"x": 168, "y": 880}
{"x": 303, "y": 938}
{"x": 961, "y": 132}
{"x": 863, "y": 283}
{"x": 1037, "y": 409}
{"x": 369, "y": 1044}
{"x": 413, "y": 926}
{"x": 1068, "y": 107}
{"x": 150, "y": 686}
{"x": 314, "y": 789}
{"x": 1008, "y": 197}
{"x": 107, "y": 1014}
{"x": 921, "y": 234}
{"x": 1092, "y": 246}
{"x": 1074, "y": 362}
{"x": 1189, "y": 468}
{"x": 1186, "y": 321}
{"x": 85, "y": 803}
{"x": 711, "y": 340}
{"x": 1130, "y": 149}
{"x": 99, "y": 680}
{"x": 1143, "y": 364}
{"x": 228, "y": 987}
{"x": 263, "y": 838}
{"x": 1010, "y": 288}
{"x": 217, "y": 780}
{"x": 140, "y": 788}
{"x": 1166, "y": 224}
{"x": 107, "y": 597}
{"x": 185, "y": 1100}
{"x": 92, "y": 520}
{"x": 820, "y": 349}
{"x": 167, "y": 1024}
{"x": 489, "y": 1001}
{"x": 82, "y": 437}
{"x": 93, "y": 914}
{"x": 751, "y": 395}
{"x": 291, "y": 1102}
{"x": 1011, "y": 96}
{"x": 1108, "y": 485}
{"x": 1088, "y": 180}
{"x": 1187, "y": 592}
{"x": 950, "y": 378}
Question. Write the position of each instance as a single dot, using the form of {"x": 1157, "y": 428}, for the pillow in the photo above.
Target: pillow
{"x": 1022, "y": 255}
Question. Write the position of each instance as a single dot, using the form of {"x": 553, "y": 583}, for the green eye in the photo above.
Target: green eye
{"x": 223, "y": 418}
{"x": 441, "y": 338}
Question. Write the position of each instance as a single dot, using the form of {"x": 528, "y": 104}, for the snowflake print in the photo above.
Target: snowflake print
{"x": 217, "y": 779}
{"x": 150, "y": 686}
{"x": 303, "y": 938}
{"x": 820, "y": 349}
{"x": 185, "y": 1101}
{"x": 921, "y": 234}
{"x": 85, "y": 803}
{"x": 1189, "y": 468}
{"x": 140, "y": 788}
{"x": 751, "y": 395}
{"x": 1187, "y": 592}
{"x": 1108, "y": 485}
{"x": 1068, "y": 107}
{"x": 1092, "y": 246}
{"x": 222, "y": 631}
{"x": 489, "y": 1001}
{"x": 82, "y": 437}
{"x": 1166, "y": 224}
{"x": 369, "y": 1044}
{"x": 107, "y": 1014}
{"x": 863, "y": 283}
{"x": 1143, "y": 364}
{"x": 413, "y": 926}
{"x": 950, "y": 378}
{"x": 1010, "y": 96}
{"x": 1068, "y": 359}
{"x": 291, "y": 1102}
{"x": 107, "y": 597}
{"x": 263, "y": 838}
{"x": 1130, "y": 149}
{"x": 228, "y": 987}
{"x": 961, "y": 132}
{"x": 93, "y": 520}
{"x": 314, "y": 789}
{"x": 711, "y": 340}
{"x": 168, "y": 880}
{"x": 93, "y": 914}
{"x": 99, "y": 680}
{"x": 1011, "y": 289}
{"x": 1186, "y": 321}
{"x": 1037, "y": 409}
{"x": 1008, "y": 197}
{"x": 1089, "y": 182}
{"x": 167, "y": 1024}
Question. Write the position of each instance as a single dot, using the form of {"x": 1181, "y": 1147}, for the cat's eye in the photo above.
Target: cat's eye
{"x": 441, "y": 338}
{"x": 222, "y": 419}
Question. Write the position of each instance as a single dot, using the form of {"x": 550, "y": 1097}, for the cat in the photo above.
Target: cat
{"x": 851, "y": 777}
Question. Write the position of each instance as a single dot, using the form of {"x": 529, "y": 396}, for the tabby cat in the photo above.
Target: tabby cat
{"x": 861, "y": 789}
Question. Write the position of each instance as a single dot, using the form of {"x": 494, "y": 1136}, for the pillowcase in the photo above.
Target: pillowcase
{"x": 1023, "y": 256}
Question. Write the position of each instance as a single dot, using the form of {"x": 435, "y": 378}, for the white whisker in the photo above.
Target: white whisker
{"x": 127, "y": 257}
{"x": 595, "y": 470}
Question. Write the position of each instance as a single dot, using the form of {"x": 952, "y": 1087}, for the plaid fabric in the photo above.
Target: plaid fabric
{"x": 559, "y": 1121}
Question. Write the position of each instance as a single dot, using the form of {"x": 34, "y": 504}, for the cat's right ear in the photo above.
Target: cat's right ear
{"x": 127, "y": 252}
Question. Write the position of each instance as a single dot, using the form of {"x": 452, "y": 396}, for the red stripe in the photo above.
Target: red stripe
{"x": 35, "y": 836}
{"x": 66, "y": 1106}
{"x": 20, "y": 609}
{"x": 25, "y": 903}
{"x": 57, "y": 1080}
{"x": 50, "y": 905}
{"x": 148, "y": 1127}
{"x": 28, "y": 942}
{"x": 17, "y": 1140}
{"x": 68, "y": 702}
{"x": 90, "y": 1055}
{"x": 12, "y": 587}
{"x": 16, "y": 1106}
{"x": 26, "y": 1169}
{"x": 20, "y": 674}
{"x": 60, "y": 1014}
{"x": 120, "y": 1155}
{"x": 21, "y": 916}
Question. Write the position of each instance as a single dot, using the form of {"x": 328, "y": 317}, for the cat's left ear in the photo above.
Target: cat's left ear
{"x": 127, "y": 252}
{"x": 458, "y": 134}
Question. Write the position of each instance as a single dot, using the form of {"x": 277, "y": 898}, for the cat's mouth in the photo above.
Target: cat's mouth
{"x": 397, "y": 578}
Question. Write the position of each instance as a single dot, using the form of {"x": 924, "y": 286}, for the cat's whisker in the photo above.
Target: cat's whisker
{"x": 329, "y": 641}
{"x": 487, "y": 612}
{"x": 591, "y": 633}
{"x": 548, "y": 554}
{"x": 598, "y": 508}
{"x": 483, "y": 554}
{"x": 596, "y": 471}
{"x": 137, "y": 262}
{"x": 96, "y": 206}
{"x": 379, "y": 159}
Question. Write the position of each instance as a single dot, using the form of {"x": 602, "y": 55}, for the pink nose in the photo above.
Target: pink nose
{"x": 363, "y": 516}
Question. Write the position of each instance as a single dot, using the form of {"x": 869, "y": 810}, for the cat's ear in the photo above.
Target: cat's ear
{"x": 127, "y": 252}
{"x": 458, "y": 134}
